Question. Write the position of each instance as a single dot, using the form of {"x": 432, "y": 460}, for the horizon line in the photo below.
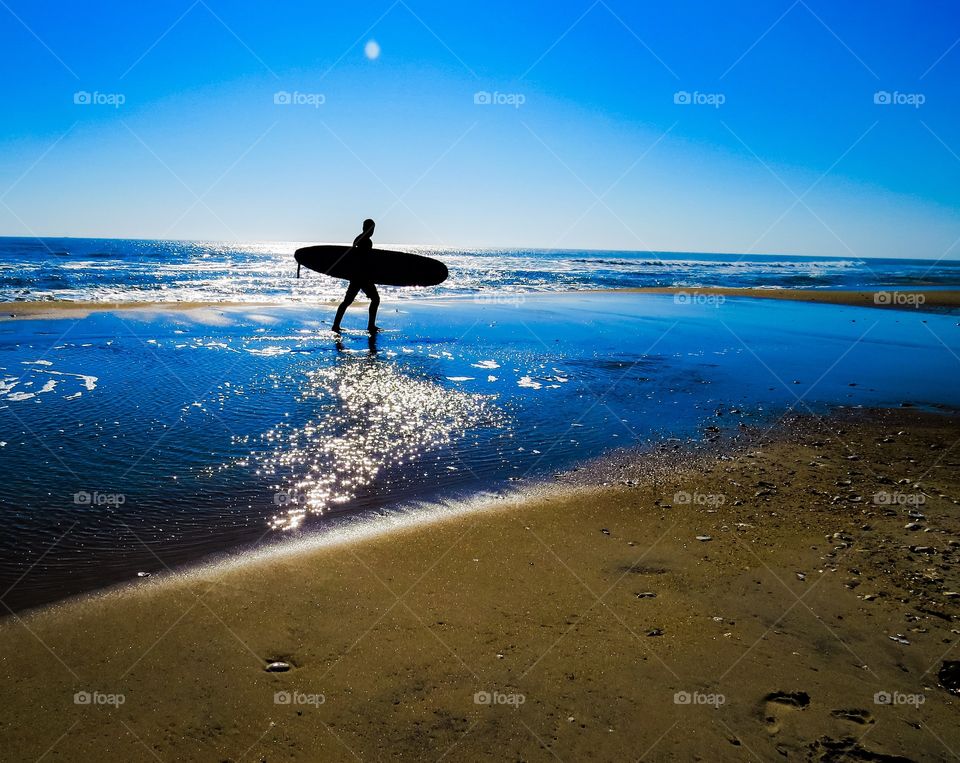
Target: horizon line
{"x": 34, "y": 237}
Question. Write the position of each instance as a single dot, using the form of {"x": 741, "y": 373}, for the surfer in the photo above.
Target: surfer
{"x": 364, "y": 245}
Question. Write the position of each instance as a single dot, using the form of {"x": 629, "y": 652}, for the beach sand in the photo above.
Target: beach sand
{"x": 589, "y": 623}
{"x": 59, "y": 309}
{"x": 902, "y": 299}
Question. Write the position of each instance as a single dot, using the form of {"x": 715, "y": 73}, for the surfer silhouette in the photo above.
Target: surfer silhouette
{"x": 364, "y": 245}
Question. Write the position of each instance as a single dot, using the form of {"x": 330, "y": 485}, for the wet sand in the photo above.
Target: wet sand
{"x": 586, "y": 624}
{"x": 890, "y": 298}
{"x": 59, "y": 309}
{"x": 902, "y": 299}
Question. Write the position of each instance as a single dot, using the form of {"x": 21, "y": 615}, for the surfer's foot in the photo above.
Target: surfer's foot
{"x": 373, "y": 329}
{"x": 335, "y": 329}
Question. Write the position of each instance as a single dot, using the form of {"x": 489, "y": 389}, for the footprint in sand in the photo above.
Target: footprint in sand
{"x": 827, "y": 750}
{"x": 779, "y": 704}
{"x": 854, "y": 715}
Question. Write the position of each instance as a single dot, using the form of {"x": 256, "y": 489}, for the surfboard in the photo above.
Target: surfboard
{"x": 381, "y": 266}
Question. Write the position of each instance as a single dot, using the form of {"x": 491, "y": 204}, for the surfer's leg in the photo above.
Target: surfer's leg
{"x": 371, "y": 291}
{"x": 348, "y": 298}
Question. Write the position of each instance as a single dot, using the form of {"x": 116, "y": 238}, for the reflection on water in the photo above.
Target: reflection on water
{"x": 371, "y": 418}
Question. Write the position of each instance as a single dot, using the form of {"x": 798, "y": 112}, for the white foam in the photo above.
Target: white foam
{"x": 355, "y": 529}
{"x": 89, "y": 382}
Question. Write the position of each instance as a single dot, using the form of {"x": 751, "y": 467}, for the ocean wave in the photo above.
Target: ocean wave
{"x": 101, "y": 270}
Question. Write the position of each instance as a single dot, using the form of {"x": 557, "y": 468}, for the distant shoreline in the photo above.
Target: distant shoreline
{"x": 922, "y": 300}
{"x": 889, "y": 298}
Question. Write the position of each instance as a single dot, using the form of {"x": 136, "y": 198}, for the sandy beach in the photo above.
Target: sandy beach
{"x": 916, "y": 299}
{"x": 790, "y": 595}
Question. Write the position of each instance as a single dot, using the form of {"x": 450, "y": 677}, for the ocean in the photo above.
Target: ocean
{"x": 120, "y": 270}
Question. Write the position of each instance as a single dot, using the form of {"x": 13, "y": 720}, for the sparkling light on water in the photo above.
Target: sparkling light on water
{"x": 372, "y": 418}
{"x": 182, "y": 271}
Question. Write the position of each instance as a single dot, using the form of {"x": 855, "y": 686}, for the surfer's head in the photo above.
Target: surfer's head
{"x": 369, "y": 225}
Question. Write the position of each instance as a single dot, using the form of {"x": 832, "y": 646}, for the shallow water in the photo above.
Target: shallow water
{"x": 133, "y": 441}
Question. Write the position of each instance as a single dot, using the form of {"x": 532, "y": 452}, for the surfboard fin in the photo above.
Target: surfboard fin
{"x": 298, "y": 270}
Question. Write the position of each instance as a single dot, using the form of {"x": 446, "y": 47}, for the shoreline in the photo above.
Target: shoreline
{"x": 616, "y": 607}
{"x": 919, "y": 300}
{"x": 625, "y": 465}
{"x": 350, "y": 530}
{"x": 885, "y": 298}
{"x": 42, "y": 309}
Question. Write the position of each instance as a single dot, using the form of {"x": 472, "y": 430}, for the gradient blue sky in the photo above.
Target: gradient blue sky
{"x": 798, "y": 158}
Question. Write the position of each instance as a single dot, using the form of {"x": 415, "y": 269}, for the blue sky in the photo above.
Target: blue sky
{"x": 692, "y": 126}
